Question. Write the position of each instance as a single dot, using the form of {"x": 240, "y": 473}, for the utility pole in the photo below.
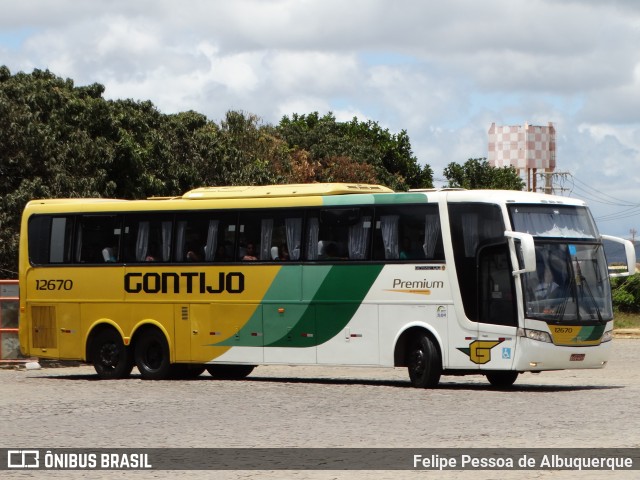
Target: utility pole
{"x": 633, "y": 232}
{"x": 554, "y": 182}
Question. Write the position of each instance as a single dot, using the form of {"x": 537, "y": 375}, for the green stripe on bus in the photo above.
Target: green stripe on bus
{"x": 341, "y": 294}
{"x": 332, "y": 295}
{"x": 591, "y": 333}
{"x": 335, "y": 302}
{"x": 374, "y": 199}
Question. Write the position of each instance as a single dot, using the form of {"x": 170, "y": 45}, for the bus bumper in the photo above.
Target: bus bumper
{"x": 535, "y": 356}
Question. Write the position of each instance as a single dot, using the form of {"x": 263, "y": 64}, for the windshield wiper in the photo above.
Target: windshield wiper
{"x": 584, "y": 284}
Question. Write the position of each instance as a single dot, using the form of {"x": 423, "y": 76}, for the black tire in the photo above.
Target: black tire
{"x": 502, "y": 378}
{"x": 109, "y": 355}
{"x": 186, "y": 371}
{"x": 152, "y": 355}
{"x": 424, "y": 363}
{"x": 230, "y": 372}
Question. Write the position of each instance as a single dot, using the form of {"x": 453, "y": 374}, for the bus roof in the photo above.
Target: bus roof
{"x": 296, "y": 195}
{"x": 287, "y": 190}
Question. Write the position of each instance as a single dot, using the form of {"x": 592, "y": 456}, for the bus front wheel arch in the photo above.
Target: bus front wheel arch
{"x": 111, "y": 358}
{"x": 151, "y": 354}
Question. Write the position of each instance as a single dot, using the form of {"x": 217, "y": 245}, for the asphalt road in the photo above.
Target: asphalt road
{"x": 323, "y": 407}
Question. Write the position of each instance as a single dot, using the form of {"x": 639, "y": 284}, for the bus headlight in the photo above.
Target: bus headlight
{"x": 535, "y": 335}
{"x": 607, "y": 336}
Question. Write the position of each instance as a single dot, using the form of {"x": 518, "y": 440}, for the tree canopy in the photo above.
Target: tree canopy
{"x": 476, "y": 173}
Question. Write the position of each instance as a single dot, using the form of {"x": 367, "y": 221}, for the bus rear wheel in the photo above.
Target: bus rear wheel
{"x": 502, "y": 379}
{"x": 230, "y": 372}
{"x": 152, "y": 355}
{"x": 111, "y": 358}
{"x": 423, "y": 363}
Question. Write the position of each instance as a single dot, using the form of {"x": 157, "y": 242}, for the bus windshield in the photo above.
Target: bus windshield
{"x": 570, "y": 283}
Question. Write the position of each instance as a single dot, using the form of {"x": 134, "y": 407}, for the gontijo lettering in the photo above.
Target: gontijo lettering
{"x": 185, "y": 282}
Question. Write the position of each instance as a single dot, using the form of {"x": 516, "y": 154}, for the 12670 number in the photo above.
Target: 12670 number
{"x": 54, "y": 284}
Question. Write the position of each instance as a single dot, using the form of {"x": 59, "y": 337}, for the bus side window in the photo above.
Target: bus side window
{"x": 274, "y": 236}
{"x": 97, "y": 239}
{"x": 50, "y": 239}
{"x": 342, "y": 234}
{"x": 148, "y": 238}
{"x": 408, "y": 233}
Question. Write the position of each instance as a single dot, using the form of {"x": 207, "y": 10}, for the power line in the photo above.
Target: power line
{"x": 591, "y": 194}
{"x": 602, "y": 196}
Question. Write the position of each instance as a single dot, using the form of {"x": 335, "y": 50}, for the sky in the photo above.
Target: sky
{"x": 442, "y": 71}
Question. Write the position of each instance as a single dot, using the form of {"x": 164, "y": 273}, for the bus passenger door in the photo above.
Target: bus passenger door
{"x": 497, "y": 309}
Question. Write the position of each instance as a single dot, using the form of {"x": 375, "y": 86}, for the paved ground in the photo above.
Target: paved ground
{"x": 324, "y": 407}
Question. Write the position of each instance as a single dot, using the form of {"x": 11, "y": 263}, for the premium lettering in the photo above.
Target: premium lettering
{"x": 413, "y": 284}
{"x": 185, "y": 282}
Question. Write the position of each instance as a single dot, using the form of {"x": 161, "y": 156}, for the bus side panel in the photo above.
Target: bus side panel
{"x": 357, "y": 342}
{"x": 346, "y": 329}
{"x": 290, "y": 333}
{"x": 70, "y": 341}
{"x": 412, "y": 295}
{"x": 227, "y": 332}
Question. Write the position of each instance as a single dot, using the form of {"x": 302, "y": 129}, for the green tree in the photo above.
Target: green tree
{"x": 476, "y": 173}
{"x": 48, "y": 147}
{"x": 360, "y": 143}
{"x": 626, "y": 293}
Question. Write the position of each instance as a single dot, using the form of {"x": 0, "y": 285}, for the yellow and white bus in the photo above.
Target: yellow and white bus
{"x": 449, "y": 282}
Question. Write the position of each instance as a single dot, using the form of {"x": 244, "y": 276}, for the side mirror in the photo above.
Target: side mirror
{"x": 630, "y": 253}
{"x": 528, "y": 250}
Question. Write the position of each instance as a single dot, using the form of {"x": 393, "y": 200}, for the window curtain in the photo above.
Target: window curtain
{"x": 142, "y": 241}
{"x": 470, "y": 234}
{"x": 389, "y": 230}
{"x": 313, "y": 230}
{"x": 293, "y": 228}
{"x": 166, "y": 241}
{"x": 79, "y": 245}
{"x": 211, "y": 247}
{"x": 266, "y": 234}
{"x": 359, "y": 239}
{"x": 180, "y": 240}
{"x": 431, "y": 235}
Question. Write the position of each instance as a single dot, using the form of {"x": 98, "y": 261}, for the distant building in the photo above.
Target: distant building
{"x": 530, "y": 149}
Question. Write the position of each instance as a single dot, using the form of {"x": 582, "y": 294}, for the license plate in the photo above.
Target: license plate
{"x": 576, "y": 357}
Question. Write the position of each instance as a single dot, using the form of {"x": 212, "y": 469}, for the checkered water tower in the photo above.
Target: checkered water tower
{"x": 530, "y": 149}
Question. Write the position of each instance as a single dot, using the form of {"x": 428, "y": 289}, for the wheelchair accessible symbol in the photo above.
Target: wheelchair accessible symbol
{"x": 506, "y": 353}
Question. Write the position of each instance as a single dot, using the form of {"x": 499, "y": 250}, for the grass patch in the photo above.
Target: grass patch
{"x": 626, "y": 320}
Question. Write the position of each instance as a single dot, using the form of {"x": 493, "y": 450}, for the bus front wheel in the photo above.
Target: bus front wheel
{"x": 152, "y": 355}
{"x": 502, "y": 379}
{"x": 110, "y": 357}
{"x": 423, "y": 363}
